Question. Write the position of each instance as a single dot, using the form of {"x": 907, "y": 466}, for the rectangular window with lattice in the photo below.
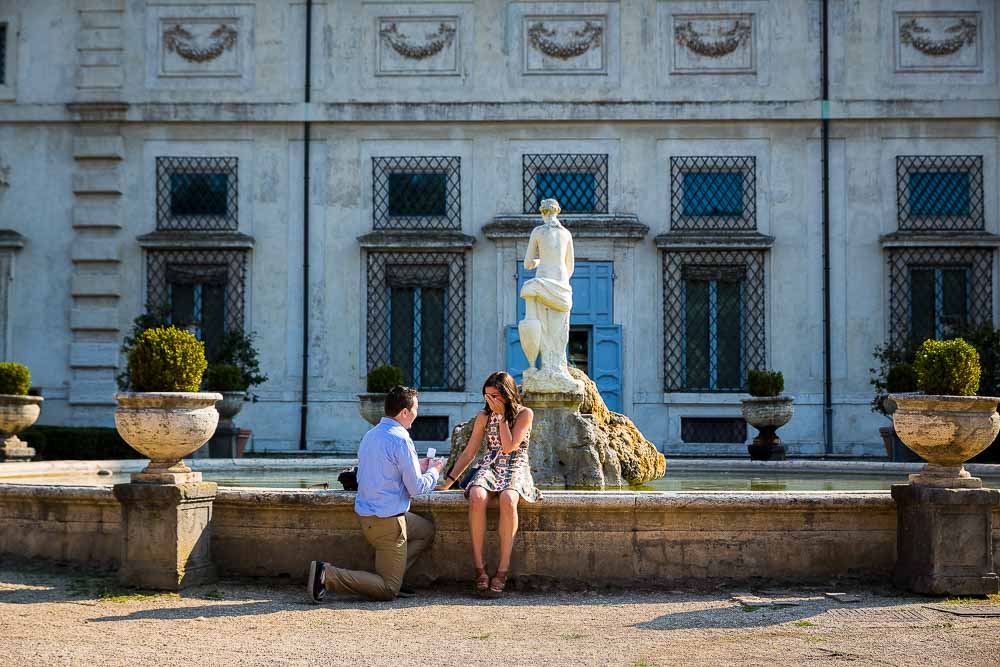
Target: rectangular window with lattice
{"x": 934, "y": 291}
{"x": 713, "y": 193}
{"x": 197, "y": 194}
{"x": 938, "y": 300}
{"x": 713, "y": 313}
{"x": 578, "y": 181}
{"x": 940, "y": 192}
{"x": 416, "y": 193}
{"x": 201, "y": 289}
{"x": 416, "y": 316}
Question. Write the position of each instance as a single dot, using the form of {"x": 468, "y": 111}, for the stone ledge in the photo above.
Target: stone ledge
{"x": 416, "y": 240}
{"x": 905, "y": 239}
{"x": 9, "y": 239}
{"x": 590, "y": 226}
{"x": 185, "y": 240}
{"x": 713, "y": 240}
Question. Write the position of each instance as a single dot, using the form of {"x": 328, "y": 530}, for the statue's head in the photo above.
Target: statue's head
{"x": 549, "y": 209}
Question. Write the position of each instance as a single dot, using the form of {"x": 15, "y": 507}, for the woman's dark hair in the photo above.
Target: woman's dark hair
{"x": 505, "y": 384}
{"x": 399, "y": 397}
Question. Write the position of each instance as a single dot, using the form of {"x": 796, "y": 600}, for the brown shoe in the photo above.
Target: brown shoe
{"x": 498, "y": 583}
{"x": 482, "y": 581}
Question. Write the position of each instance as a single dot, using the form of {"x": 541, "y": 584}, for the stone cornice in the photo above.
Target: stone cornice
{"x": 479, "y": 111}
{"x": 939, "y": 240}
{"x": 713, "y": 240}
{"x": 11, "y": 240}
{"x": 590, "y": 226}
{"x": 416, "y": 240}
{"x": 183, "y": 240}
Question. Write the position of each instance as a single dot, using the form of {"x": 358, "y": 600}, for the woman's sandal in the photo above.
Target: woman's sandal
{"x": 497, "y": 583}
{"x": 482, "y": 581}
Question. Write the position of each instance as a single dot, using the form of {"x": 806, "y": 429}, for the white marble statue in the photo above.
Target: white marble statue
{"x": 548, "y": 299}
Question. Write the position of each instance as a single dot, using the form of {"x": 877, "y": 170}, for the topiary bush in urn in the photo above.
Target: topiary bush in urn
{"x": 946, "y": 424}
{"x": 165, "y": 416}
{"x": 767, "y": 410}
{"x": 18, "y": 411}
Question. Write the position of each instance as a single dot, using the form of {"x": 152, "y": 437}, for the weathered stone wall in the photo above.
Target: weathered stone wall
{"x": 612, "y": 538}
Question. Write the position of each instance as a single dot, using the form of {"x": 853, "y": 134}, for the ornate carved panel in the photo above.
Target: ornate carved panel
{"x": 938, "y": 41}
{"x": 199, "y": 46}
{"x": 565, "y": 44}
{"x": 713, "y": 44}
{"x": 202, "y": 47}
{"x": 418, "y": 45}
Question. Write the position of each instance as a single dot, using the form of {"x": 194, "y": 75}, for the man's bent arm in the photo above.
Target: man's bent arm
{"x": 409, "y": 468}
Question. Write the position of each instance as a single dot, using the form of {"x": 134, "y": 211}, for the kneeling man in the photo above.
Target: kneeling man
{"x": 388, "y": 474}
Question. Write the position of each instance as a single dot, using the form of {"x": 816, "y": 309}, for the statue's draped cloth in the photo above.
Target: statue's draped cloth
{"x": 555, "y": 294}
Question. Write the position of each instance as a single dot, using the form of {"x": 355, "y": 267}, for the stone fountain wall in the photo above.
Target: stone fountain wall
{"x": 572, "y": 537}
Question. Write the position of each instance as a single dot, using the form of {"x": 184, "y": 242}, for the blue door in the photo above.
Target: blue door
{"x": 593, "y": 289}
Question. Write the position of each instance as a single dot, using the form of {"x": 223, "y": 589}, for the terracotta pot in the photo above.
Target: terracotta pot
{"x": 166, "y": 427}
{"x": 371, "y": 406}
{"x": 242, "y": 438}
{"x": 946, "y": 431}
{"x": 16, "y": 414}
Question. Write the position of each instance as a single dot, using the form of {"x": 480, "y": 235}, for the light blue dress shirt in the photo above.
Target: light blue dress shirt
{"x": 389, "y": 472}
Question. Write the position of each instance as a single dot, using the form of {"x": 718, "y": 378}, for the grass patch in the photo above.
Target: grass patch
{"x": 483, "y": 637}
{"x": 572, "y": 635}
{"x": 803, "y": 624}
{"x": 106, "y": 589}
{"x": 991, "y": 598}
{"x": 642, "y": 662}
{"x": 747, "y": 608}
{"x": 814, "y": 639}
{"x": 214, "y": 595}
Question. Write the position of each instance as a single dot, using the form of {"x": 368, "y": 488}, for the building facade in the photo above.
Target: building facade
{"x": 164, "y": 153}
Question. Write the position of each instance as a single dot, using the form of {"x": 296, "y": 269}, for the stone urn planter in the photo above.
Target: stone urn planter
{"x": 16, "y": 414}
{"x": 166, "y": 427}
{"x": 371, "y": 406}
{"x": 229, "y": 407}
{"x": 946, "y": 431}
{"x": 767, "y": 414}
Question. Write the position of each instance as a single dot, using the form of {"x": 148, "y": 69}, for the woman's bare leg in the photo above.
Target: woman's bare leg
{"x": 478, "y": 499}
{"x": 508, "y": 527}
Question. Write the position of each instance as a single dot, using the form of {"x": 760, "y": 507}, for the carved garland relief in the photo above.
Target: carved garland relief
{"x": 183, "y": 43}
{"x": 916, "y": 35}
{"x": 713, "y": 44}
{"x": 939, "y": 42}
{"x": 433, "y": 44}
{"x": 578, "y": 43}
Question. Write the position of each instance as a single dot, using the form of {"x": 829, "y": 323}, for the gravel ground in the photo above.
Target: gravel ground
{"x": 52, "y": 616}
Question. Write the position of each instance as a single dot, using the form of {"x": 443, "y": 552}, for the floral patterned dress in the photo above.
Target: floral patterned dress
{"x": 500, "y": 472}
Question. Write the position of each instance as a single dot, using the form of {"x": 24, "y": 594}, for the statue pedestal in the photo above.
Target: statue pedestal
{"x": 550, "y": 381}
{"x": 564, "y": 448}
{"x": 166, "y": 535}
{"x": 944, "y": 540}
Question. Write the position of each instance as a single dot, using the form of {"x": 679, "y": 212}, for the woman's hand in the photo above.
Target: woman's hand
{"x": 496, "y": 404}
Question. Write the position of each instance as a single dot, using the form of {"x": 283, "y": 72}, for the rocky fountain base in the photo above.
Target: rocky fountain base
{"x": 577, "y": 442}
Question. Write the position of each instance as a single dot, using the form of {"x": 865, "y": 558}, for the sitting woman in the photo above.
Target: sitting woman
{"x": 504, "y": 471}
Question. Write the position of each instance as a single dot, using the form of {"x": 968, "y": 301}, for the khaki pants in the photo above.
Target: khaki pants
{"x": 397, "y": 542}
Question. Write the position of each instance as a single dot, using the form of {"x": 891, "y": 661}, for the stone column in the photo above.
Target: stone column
{"x": 166, "y": 536}
{"x": 944, "y": 540}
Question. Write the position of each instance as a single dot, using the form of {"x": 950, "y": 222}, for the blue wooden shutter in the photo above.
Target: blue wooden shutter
{"x": 516, "y": 361}
{"x": 606, "y": 365}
